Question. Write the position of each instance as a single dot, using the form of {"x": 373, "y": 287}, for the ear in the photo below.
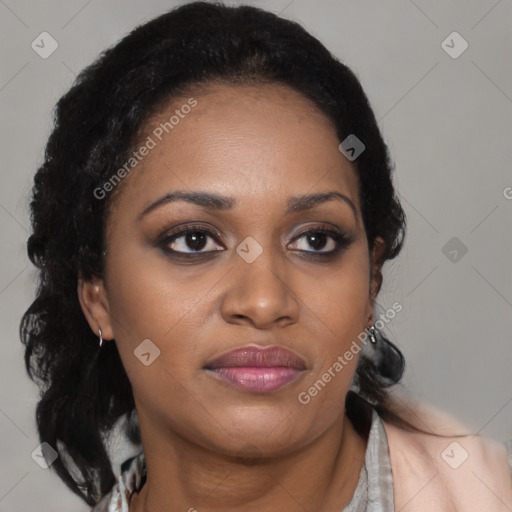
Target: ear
{"x": 94, "y": 303}
{"x": 377, "y": 254}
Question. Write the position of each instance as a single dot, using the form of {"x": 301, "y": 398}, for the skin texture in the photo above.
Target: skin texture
{"x": 258, "y": 144}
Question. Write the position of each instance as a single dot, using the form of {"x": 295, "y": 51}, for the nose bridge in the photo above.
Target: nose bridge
{"x": 260, "y": 290}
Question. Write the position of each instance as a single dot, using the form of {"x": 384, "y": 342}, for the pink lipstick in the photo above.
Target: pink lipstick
{"x": 257, "y": 369}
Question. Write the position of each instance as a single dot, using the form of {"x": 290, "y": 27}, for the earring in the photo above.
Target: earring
{"x": 371, "y": 332}
{"x": 101, "y": 338}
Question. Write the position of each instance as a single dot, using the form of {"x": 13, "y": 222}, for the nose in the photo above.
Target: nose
{"x": 260, "y": 293}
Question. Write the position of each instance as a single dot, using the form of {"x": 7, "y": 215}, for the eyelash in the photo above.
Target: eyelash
{"x": 341, "y": 240}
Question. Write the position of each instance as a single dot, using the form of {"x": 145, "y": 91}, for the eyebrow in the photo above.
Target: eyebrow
{"x": 219, "y": 202}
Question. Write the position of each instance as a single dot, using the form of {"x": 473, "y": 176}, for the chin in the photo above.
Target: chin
{"x": 260, "y": 435}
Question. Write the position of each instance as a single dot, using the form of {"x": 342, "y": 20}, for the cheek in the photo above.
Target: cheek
{"x": 341, "y": 301}
{"x": 341, "y": 312}
{"x": 150, "y": 302}
{"x": 147, "y": 296}
{"x": 150, "y": 326}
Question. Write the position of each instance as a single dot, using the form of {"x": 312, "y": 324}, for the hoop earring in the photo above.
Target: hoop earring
{"x": 101, "y": 337}
{"x": 372, "y": 333}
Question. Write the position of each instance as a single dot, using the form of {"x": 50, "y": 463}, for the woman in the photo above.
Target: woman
{"x": 210, "y": 225}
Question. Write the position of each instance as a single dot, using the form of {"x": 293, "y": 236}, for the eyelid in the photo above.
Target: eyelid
{"x": 184, "y": 228}
{"x": 322, "y": 228}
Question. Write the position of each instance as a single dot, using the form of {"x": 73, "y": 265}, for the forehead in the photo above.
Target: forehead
{"x": 257, "y": 143}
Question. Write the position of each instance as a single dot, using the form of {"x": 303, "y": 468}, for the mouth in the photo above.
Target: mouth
{"x": 257, "y": 369}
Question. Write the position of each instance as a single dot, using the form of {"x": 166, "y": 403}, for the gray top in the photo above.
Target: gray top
{"x": 374, "y": 491}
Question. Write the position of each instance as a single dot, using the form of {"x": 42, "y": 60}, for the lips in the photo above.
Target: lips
{"x": 258, "y": 357}
{"x": 257, "y": 369}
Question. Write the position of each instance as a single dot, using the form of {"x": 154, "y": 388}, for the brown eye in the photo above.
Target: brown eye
{"x": 191, "y": 240}
{"x": 319, "y": 239}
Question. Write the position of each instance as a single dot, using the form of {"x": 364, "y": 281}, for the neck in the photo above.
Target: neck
{"x": 182, "y": 476}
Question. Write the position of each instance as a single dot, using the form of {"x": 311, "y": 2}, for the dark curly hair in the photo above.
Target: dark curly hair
{"x": 96, "y": 126}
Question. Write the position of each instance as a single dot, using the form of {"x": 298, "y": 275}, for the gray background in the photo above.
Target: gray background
{"x": 447, "y": 123}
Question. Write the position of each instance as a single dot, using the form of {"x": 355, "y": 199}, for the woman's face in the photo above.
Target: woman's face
{"x": 246, "y": 274}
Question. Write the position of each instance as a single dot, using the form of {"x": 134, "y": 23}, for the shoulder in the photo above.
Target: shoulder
{"x": 447, "y": 466}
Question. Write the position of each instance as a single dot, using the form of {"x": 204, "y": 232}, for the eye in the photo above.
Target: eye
{"x": 190, "y": 240}
{"x": 324, "y": 241}
{"x": 197, "y": 241}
